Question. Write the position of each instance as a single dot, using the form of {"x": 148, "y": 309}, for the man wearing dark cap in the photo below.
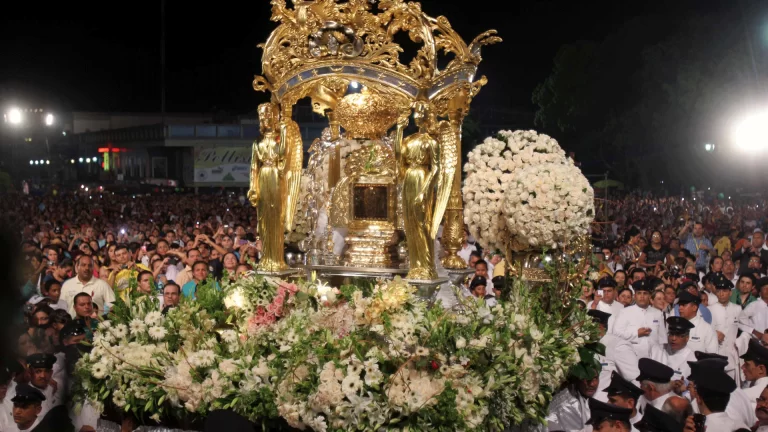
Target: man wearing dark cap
{"x": 41, "y": 372}
{"x": 625, "y": 394}
{"x": 656, "y": 382}
{"x": 569, "y": 409}
{"x": 754, "y": 318}
{"x": 27, "y": 408}
{"x": 654, "y": 420}
{"x": 641, "y": 324}
{"x": 740, "y": 407}
{"x": 755, "y": 370}
{"x": 702, "y": 336}
{"x": 712, "y": 396}
{"x": 608, "y": 418}
{"x": 619, "y": 355}
{"x": 676, "y": 353}
{"x": 725, "y": 321}
{"x": 607, "y": 303}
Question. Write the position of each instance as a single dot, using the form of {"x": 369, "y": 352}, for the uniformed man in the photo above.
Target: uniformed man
{"x": 755, "y": 370}
{"x": 725, "y": 321}
{"x": 27, "y": 408}
{"x": 607, "y": 303}
{"x": 712, "y": 396}
{"x": 569, "y": 410}
{"x": 702, "y": 336}
{"x": 739, "y": 406}
{"x": 41, "y": 372}
{"x": 619, "y": 355}
{"x": 656, "y": 382}
{"x": 640, "y": 323}
{"x": 754, "y": 318}
{"x": 608, "y": 418}
{"x": 625, "y": 394}
{"x": 676, "y": 353}
{"x": 654, "y": 420}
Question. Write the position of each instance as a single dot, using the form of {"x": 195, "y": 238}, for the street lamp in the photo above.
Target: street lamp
{"x": 49, "y": 119}
{"x": 14, "y": 116}
{"x": 751, "y": 134}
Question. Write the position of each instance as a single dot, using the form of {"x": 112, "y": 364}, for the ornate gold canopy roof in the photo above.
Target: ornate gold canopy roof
{"x": 329, "y": 43}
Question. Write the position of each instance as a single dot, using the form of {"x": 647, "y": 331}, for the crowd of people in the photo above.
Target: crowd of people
{"x": 678, "y": 289}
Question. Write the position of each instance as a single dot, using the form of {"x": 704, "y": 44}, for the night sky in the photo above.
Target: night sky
{"x": 90, "y": 56}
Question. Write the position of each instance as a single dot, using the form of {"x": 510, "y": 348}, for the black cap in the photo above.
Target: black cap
{"x": 651, "y": 370}
{"x": 26, "y": 394}
{"x": 716, "y": 382}
{"x": 606, "y": 281}
{"x": 761, "y": 282}
{"x": 477, "y": 281}
{"x": 711, "y": 277}
{"x": 678, "y": 325}
{"x": 756, "y": 352}
{"x": 498, "y": 282}
{"x": 692, "y": 276}
{"x": 642, "y": 285}
{"x": 654, "y": 420}
{"x": 600, "y": 411}
{"x": 41, "y": 361}
{"x": 701, "y": 370}
{"x": 620, "y": 386}
{"x": 72, "y": 328}
{"x": 599, "y": 316}
{"x": 684, "y": 297}
{"x": 722, "y": 282}
{"x": 701, "y": 355}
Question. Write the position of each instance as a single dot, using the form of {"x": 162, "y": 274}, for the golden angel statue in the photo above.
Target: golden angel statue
{"x": 275, "y": 179}
{"x": 427, "y": 169}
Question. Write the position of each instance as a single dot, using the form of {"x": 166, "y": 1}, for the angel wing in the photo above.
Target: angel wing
{"x": 253, "y": 191}
{"x": 294, "y": 155}
{"x": 449, "y": 156}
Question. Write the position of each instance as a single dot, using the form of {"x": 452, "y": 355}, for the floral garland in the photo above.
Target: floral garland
{"x": 358, "y": 357}
{"x": 507, "y": 188}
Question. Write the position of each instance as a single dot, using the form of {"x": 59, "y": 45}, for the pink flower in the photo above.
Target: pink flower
{"x": 290, "y": 287}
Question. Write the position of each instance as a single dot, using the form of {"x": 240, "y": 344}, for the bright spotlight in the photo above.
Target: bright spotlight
{"x": 47, "y": 162}
{"x": 72, "y": 161}
{"x": 14, "y": 116}
{"x": 35, "y": 162}
{"x": 31, "y": 162}
{"x": 49, "y": 119}
{"x": 80, "y": 160}
{"x": 87, "y": 160}
{"x": 355, "y": 85}
{"x": 752, "y": 133}
{"x": 709, "y": 147}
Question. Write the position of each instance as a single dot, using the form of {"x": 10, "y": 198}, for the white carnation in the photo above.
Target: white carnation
{"x": 157, "y": 332}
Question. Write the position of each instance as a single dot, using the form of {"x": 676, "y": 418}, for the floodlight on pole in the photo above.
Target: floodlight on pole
{"x": 14, "y": 116}
{"x": 751, "y": 134}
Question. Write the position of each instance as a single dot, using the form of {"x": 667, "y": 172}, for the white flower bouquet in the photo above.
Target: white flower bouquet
{"x": 501, "y": 172}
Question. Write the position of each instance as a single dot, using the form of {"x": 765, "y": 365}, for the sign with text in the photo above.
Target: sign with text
{"x": 223, "y": 165}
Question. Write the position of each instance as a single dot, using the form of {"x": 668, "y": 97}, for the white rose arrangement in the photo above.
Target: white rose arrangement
{"x": 509, "y": 196}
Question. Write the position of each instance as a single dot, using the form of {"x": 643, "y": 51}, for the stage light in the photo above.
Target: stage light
{"x": 47, "y": 162}
{"x": 49, "y": 119}
{"x": 31, "y": 162}
{"x": 87, "y": 160}
{"x": 71, "y": 161}
{"x": 14, "y": 116}
{"x": 751, "y": 134}
{"x": 709, "y": 147}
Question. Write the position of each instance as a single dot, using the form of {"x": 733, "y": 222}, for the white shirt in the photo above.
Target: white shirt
{"x": 13, "y": 427}
{"x": 98, "y": 289}
{"x": 702, "y": 337}
{"x": 569, "y": 411}
{"x": 633, "y": 318}
{"x": 754, "y": 317}
{"x": 466, "y": 251}
{"x": 754, "y": 390}
{"x": 678, "y": 361}
{"x": 720, "y": 422}
{"x": 740, "y": 408}
{"x": 619, "y": 357}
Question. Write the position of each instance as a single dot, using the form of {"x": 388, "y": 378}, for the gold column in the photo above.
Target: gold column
{"x": 334, "y": 159}
{"x": 453, "y": 222}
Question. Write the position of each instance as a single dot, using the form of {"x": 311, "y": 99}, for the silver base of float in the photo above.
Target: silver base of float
{"x": 283, "y": 273}
{"x": 427, "y": 290}
{"x": 353, "y": 272}
{"x": 457, "y": 277}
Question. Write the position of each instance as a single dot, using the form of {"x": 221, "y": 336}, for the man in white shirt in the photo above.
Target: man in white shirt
{"x": 754, "y": 318}
{"x": 755, "y": 370}
{"x": 712, "y": 396}
{"x": 739, "y": 407}
{"x": 625, "y": 394}
{"x": 676, "y": 353}
{"x": 641, "y": 324}
{"x": 607, "y": 302}
{"x": 725, "y": 321}
{"x": 619, "y": 355}
{"x": 99, "y": 291}
{"x": 609, "y": 418}
{"x": 27, "y": 409}
{"x": 656, "y": 381}
{"x": 702, "y": 337}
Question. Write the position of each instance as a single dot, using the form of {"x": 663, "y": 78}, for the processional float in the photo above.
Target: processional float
{"x": 343, "y": 56}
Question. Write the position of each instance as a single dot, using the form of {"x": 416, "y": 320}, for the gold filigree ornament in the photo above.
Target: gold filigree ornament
{"x": 325, "y": 49}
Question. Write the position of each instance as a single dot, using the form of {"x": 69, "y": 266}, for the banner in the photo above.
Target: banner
{"x": 217, "y": 165}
